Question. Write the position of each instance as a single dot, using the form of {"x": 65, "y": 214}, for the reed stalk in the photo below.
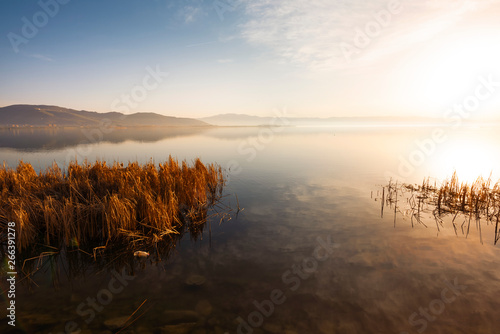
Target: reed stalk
{"x": 98, "y": 203}
{"x": 480, "y": 200}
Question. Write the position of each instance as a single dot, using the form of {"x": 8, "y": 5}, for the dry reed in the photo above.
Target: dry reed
{"x": 478, "y": 200}
{"x": 96, "y": 203}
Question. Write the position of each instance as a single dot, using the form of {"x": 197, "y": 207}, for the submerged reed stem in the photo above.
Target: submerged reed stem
{"x": 479, "y": 200}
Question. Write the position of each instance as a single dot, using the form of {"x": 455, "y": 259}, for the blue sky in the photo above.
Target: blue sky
{"x": 242, "y": 56}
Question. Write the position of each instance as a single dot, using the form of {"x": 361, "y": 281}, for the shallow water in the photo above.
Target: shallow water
{"x": 308, "y": 254}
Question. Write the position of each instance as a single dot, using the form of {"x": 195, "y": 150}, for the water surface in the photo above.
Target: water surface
{"x": 300, "y": 188}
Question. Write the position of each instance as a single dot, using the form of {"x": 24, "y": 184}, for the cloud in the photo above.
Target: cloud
{"x": 225, "y": 61}
{"x": 190, "y": 13}
{"x": 41, "y": 57}
{"x": 201, "y": 44}
{"x": 310, "y": 33}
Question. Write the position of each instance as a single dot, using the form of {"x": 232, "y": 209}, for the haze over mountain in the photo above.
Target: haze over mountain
{"x": 22, "y": 115}
{"x": 247, "y": 120}
{"x": 41, "y": 115}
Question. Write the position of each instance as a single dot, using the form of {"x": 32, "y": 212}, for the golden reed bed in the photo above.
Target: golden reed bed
{"x": 97, "y": 202}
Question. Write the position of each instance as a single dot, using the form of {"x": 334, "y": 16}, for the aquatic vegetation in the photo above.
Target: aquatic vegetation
{"x": 97, "y": 203}
{"x": 479, "y": 200}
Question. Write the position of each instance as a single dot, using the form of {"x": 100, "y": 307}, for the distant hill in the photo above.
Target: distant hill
{"x": 236, "y": 120}
{"x": 247, "y": 120}
{"x": 23, "y": 115}
{"x": 40, "y": 116}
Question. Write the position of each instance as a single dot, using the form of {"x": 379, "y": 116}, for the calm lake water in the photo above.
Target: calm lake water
{"x": 309, "y": 253}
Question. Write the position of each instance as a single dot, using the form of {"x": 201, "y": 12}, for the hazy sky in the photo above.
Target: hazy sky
{"x": 313, "y": 57}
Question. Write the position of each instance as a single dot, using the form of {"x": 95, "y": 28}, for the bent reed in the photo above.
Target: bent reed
{"x": 97, "y": 203}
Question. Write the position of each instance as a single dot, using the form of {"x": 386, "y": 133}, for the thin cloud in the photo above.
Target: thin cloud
{"x": 225, "y": 61}
{"x": 190, "y": 13}
{"x": 201, "y": 44}
{"x": 309, "y": 33}
{"x": 419, "y": 31}
{"x": 41, "y": 57}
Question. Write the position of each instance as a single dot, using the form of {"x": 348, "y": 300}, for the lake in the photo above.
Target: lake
{"x": 309, "y": 252}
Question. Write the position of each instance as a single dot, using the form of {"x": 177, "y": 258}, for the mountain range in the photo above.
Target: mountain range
{"x": 23, "y": 115}
{"x": 247, "y": 120}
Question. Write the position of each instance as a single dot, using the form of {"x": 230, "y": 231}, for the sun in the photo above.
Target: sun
{"x": 445, "y": 71}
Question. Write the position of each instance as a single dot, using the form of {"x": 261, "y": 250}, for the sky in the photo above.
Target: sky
{"x": 197, "y": 58}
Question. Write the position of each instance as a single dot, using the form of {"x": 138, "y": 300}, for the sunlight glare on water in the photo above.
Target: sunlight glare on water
{"x": 470, "y": 157}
